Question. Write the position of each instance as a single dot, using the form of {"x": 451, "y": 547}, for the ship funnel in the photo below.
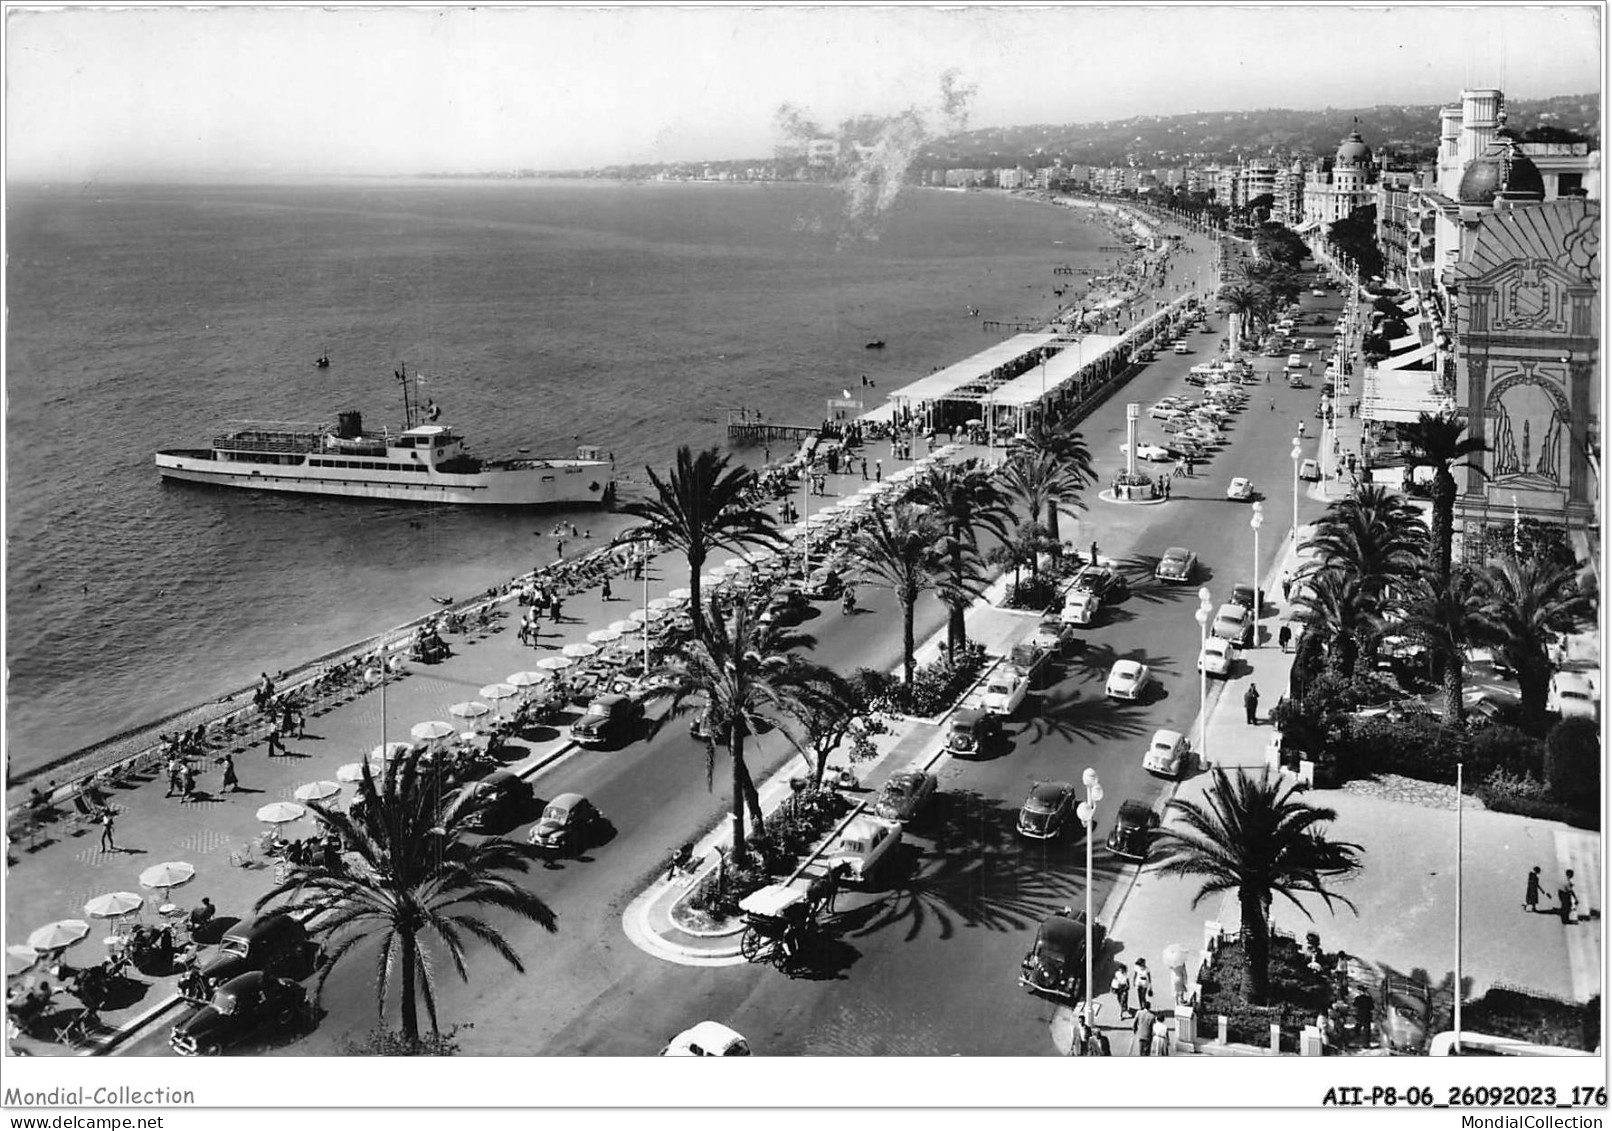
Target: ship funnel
{"x": 349, "y": 425}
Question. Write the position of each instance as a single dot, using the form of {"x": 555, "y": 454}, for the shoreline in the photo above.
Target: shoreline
{"x": 105, "y": 756}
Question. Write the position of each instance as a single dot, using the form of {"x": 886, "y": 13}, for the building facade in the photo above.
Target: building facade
{"x": 1332, "y": 194}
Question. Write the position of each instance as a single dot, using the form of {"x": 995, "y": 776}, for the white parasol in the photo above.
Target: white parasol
{"x": 20, "y": 958}
{"x": 316, "y": 790}
{"x": 167, "y": 875}
{"x": 554, "y": 663}
{"x": 59, "y": 935}
{"x": 626, "y": 627}
{"x": 351, "y": 772}
{"x": 666, "y": 604}
{"x": 497, "y": 691}
{"x": 603, "y": 636}
{"x": 580, "y": 651}
{"x": 642, "y": 615}
{"x": 114, "y": 905}
{"x": 431, "y": 731}
{"x": 389, "y": 751}
{"x": 281, "y": 812}
{"x": 681, "y": 593}
{"x": 526, "y": 679}
{"x": 471, "y": 710}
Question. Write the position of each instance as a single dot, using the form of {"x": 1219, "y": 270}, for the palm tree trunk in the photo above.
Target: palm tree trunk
{"x": 1454, "y": 704}
{"x": 1443, "y": 524}
{"x": 956, "y": 625}
{"x": 739, "y": 850}
{"x": 1256, "y": 946}
{"x": 1533, "y": 682}
{"x": 696, "y": 562}
{"x": 908, "y": 645}
{"x": 747, "y": 784}
{"x": 1052, "y": 519}
{"x": 411, "y": 1017}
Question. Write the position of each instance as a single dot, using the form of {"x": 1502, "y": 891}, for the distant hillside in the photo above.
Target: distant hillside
{"x": 1405, "y": 133}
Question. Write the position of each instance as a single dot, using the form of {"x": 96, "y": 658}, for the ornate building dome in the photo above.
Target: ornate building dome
{"x": 1503, "y": 171}
{"x": 1354, "y": 151}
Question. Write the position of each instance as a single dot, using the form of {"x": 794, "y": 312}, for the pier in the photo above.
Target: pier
{"x": 745, "y": 428}
{"x": 1017, "y": 325}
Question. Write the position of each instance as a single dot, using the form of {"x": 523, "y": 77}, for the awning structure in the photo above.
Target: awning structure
{"x": 937, "y": 386}
{"x": 1409, "y": 359}
{"x": 1402, "y": 395}
{"x": 1060, "y": 368}
{"x": 1308, "y": 226}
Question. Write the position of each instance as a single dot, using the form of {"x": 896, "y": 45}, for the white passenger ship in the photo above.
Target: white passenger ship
{"x": 424, "y": 462}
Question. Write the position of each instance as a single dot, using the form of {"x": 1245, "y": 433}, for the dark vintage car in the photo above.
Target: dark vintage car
{"x": 904, "y": 794}
{"x": 1105, "y": 581}
{"x": 276, "y": 944}
{"x": 786, "y": 607}
{"x": 1055, "y": 637}
{"x": 609, "y": 718}
{"x": 1177, "y": 564}
{"x": 1133, "y": 829}
{"x": 240, "y": 1009}
{"x": 569, "y": 823}
{"x": 1044, "y": 812}
{"x": 825, "y": 584}
{"x": 1056, "y": 964}
{"x": 1244, "y": 595}
{"x": 973, "y": 731}
{"x": 500, "y": 798}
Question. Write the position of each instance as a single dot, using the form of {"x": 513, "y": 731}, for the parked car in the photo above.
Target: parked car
{"x": 1217, "y": 656}
{"x": 1053, "y": 636}
{"x": 786, "y": 607}
{"x": 825, "y": 584}
{"x": 243, "y": 1007}
{"x": 904, "y": 794}
{"x": 1080, "y": 607}
{"x": 275, "y": 944}
{"x": 609, "y": 718}
{"x": 1319, "y": 293}
{"x": 1133, "y": 830}
{"x": 1044, "y": 812}
{"x": 1004, "y": 691}
{"x": 1240, "y": 489}
{"x": 1180, "y": 347}
{"x": 860, "y": 847}
{"x": 1309, "y": 343}
{"x": 973, "y": 730}
{"x": 1235, "y": 623}
{"x": 1177, "y": 564}
{"x": 1295, "y": 361}
{"x": 1056, "y": 964}
{"x": 1167, "y": 753}
{"x": 1127, "y": 679}
{"x": 1106, "y": 582}
{"x": 1165, "y": 410}
{"x": 1151, "y": 452}
{"x": 708, "y": 1038}
{"x": 569, "y": 824}
{"x": 1310, "y": 471}
{"x": 1573, "y": 695}
{"x": 500, "y": 798}
{"x": 1243, "y": 595}
{"x": 1032, "y": 662}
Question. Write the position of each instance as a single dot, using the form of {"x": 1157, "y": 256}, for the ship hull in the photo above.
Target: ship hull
{"x": 561, "y": 483}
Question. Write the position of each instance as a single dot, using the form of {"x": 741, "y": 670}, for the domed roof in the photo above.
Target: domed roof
{"x": 1354, "y": 150}
{"x": 1503, "y": 170}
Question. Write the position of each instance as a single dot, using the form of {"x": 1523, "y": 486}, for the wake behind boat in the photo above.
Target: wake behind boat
{"x": 423, "y": 462}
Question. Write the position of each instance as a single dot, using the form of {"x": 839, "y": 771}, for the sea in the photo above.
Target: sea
{"x": 544, "y": 314}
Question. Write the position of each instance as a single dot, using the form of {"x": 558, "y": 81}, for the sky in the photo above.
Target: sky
{"x": 101, "y": 93}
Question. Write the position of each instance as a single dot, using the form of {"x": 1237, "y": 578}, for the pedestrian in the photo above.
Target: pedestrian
{"x": 275, "y": 748}
{"x": 1530, "y": 899}
{"x": 1284, "y": 637}
{"x": 1142, "y": 983}
{"x": 1251, "y": 703}
{"x": 232, "y": 784}
{"x": 1120, "y": 983}
{"x": 1287, "y": 586}
{"x": 864, "y": 468}
{"x": 554, "y": 609}
{"x": 1142, "y": 1027}
{"x": 1094, "y": 551}
{"x": 1569, "y": 899}
{"x": 1079, "y": 1040}
{"x": 1166, "y": 488}
{"x": 604, "y": 590}
{"x": 173, "y": 776}
{"x": 1161, "y": 1040}
{"x": 1273, "y": 404}
{"x": 107, "y": 844}
{"x": 1267, "y": 377}
{"x": 878, "y": 471}
{"x": 188, "y": 781}
{"x": 559, "y": 549}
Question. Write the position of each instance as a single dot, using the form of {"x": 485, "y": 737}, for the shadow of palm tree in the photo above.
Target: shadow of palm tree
{"x": 979, "y": 873}
{"x": 1094, "y": 717}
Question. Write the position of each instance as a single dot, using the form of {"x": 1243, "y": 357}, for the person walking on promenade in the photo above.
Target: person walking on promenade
{"x": 1251, "y": 703}
{"x": 302, "y": 723}
{"x": 1094, "y": 551}
{"x": 275, "y": 747}
{"x": 231, "y": 784}
{"x": 1142, "y": 1027}
{"x": 173, "y": 776}
{"x": 1166, "y": 487}
{"x": 1120, "y": 983}
{"x": 1161, "y": 1040}
{"x": 1284, "y": 637}
{"x": 559, "y": 548}
{"x": 554, "y": 609}
{"x": 1142, "y": 983}
{"x": 604, "y": 590}
{"x": 1569, "y": 899}
{"x": 1287, "y": 586}
{"x": 864, "y": 467}
{"x": 878, "y": 471}
{"x": 1530, "y": 898}
{"x": 188, "y": 781}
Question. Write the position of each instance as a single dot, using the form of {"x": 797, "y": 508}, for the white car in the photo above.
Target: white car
{"x": 1004, "y": 691}
{"x": 1127, "y": 679}
{"x": 1203, "y": 434}
{"x": 1152, "y": 452}
{"x": 1165, "y": 411}
{"x": 1573, "y": 695}
{"x": 1217, "y": 655}
{"x": 1181, "y": 348}
{"x": 708, "y": 1038}
{"x": 865, "y": 842}
{"x": 1310, "y": 471}
{"x": 1309, "y": 343}
{"x": 1213, "y": 411}
{"x": 1235, "y": 623}
{"x": 1240, "y": 489}
{"x": 1080, "y": 607}
{"x": 1295, "y": 361}
{"x": 1167, "y": 753}
{"x": 1318, "y": 293}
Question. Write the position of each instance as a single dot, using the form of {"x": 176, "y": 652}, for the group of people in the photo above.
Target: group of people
{"x": 1566, "y": 895}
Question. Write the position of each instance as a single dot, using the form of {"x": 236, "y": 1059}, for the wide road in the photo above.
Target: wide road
{"x": 926, "y": 963}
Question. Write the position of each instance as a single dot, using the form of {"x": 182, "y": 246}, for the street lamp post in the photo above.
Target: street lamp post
{"x": 1205, "y": 608}
{"x": 1088, "y": 813}
{"x": 1254, "y": 523}
{"x": 1296, "y": 454}
{"x": 806, "y": 531}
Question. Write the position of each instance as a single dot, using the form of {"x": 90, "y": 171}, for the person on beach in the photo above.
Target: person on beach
{"x": 231, "y": 784}
{"x": 1094, "y": 551}
{"x": 173, "y": 776}
{"x": 604, "y": 590}
{"x": 107, "y": 843}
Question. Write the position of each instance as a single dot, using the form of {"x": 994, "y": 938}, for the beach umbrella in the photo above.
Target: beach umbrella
{"x": 626, "y": 627}
{"x": 792, "y": 532}
{"x": 642, "y": 615}
{"x": 351, "y": 772}
{"x": 853, "y": 502}
{"x": 756, "y": 557}
{"x": 316, "y": 790}
{"x": 59, "y": 935}
{"x": 281, "y": 812}
{"x": 20, "y": 958}
{"x": 389, "y": 751}
{"x": 872, "y": 489}
{"x": 722, "y": 572}
{"x": 114, "y": 905}
{"x": 554, "y": 663}
{"x": 496, "y": 691}
{"x": 471, "y": 710}
{"x": 431, "y": 731}
{"x": 525, "y": 679}
{"x": 682, "y": 593}
{"x": 666, "y": 604}
{"x": 735, "y": 563}
{"x": 580, "y": 651}
{"x": 603, "y": 636}
{"x": 167, "y": 875}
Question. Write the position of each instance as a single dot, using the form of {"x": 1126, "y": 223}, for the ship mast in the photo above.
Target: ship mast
{"x": 410, "y": 403}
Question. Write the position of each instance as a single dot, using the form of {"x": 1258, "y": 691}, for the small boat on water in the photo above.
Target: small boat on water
{"x": 875, "y": 344}
{"x": 322, "y": 361}
{"x": 422, "y": 462}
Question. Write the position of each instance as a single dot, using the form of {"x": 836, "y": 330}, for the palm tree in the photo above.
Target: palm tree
{"x": 1038, "y": 483}
{"x": 965, "y": 499}
{"x": 1437, "y": 442}
{"x": 1447, "y": 620}
{"x": 1252, "y": 836}
{"x": 1059, "y": 440}
{"x": 745, "y": 676}
{"x": 900, "y": 548}
{"x": 1335, "y": 608}
{"x": 1373, "y": 535}
{"x": 1245, "y": 303}
{"x": 419, "y": 873}
{"x": 701, "y": 505}
{"x": 1525, "y": 602}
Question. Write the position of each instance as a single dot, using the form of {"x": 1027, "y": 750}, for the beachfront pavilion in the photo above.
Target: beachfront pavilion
{"x": 1065, "y": 376}
{"x": 951, "y": 397}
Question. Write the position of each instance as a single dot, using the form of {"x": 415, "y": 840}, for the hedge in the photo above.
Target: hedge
{"x": 1524, "y": 1016}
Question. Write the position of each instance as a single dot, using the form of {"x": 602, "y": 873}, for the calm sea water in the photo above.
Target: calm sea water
{"x": 543, "y": 314}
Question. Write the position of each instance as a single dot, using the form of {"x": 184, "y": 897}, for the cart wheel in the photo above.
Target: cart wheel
{"x": 750, "y": 944}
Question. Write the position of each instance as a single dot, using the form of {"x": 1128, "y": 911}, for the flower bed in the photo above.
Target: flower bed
{"x": 1297, "y": 994}
{"x": 934, "y": 688}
